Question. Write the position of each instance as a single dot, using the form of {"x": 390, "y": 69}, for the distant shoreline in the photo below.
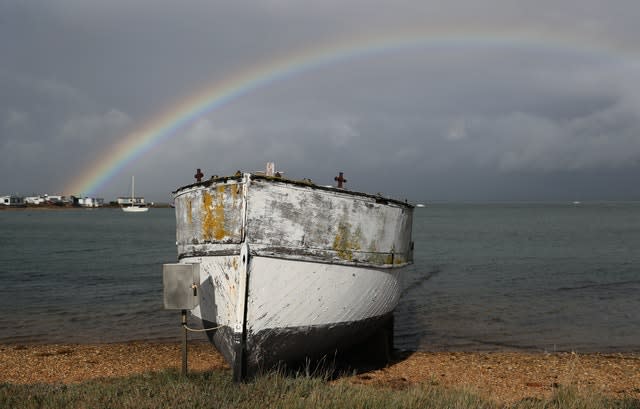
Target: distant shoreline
{"x": 55, "y": 207}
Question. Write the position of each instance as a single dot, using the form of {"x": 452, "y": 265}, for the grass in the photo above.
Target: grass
{"x": 215, "y": 389}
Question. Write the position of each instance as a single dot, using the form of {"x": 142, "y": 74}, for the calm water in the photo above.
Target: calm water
{"x": 486, "y": 277}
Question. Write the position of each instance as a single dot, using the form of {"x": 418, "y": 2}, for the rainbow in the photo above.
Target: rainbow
{"x": 165, "y": 125}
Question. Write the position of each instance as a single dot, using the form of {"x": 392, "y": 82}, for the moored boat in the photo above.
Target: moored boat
{"x": 134, "y": 204}
{"x": 289, "y": 270}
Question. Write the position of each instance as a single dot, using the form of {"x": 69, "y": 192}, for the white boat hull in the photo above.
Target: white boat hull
{"x": 294, "y": 308}
{"x": 288, "y": 271}
{"x": 135, "y": 209}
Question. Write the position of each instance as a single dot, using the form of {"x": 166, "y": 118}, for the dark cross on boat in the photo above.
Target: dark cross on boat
{"x": 199, "y": 175}
{"x": 340, "y": 179}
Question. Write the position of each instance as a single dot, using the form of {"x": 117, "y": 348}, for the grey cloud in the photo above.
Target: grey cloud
{"x": 460, "y": 121}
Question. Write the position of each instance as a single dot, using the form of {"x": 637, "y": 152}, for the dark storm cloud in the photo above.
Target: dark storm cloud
{"x": 483, "y": 121}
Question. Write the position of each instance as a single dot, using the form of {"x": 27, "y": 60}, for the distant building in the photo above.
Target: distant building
{"x": 55, "y": 199}
{"x": 88, "y": 201}
{"x": 46, "y": 199}
{"x": 34, "y": 200}
{"x": 11, "y": 200}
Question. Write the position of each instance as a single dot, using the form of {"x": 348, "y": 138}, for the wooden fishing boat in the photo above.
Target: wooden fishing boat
{"x": 289, "y": 270}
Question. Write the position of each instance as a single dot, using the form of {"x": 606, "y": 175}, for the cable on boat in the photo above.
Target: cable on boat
{"x": 200, "y": 329}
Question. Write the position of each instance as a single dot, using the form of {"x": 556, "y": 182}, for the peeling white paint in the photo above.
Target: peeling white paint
{"x": 293, "y": 221}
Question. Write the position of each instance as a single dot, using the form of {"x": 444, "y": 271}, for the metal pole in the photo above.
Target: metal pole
{"x": 184, "y": 342}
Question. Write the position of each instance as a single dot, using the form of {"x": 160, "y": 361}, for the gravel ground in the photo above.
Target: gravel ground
{"x": 501, "y": 376}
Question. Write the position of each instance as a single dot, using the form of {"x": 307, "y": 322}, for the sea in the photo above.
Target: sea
{"x": 487, "y": 277}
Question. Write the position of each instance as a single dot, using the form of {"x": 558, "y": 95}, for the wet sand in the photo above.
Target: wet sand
{"x": 500, "y": 376}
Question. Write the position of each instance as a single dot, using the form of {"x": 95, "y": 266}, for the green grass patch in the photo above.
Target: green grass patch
{"x": 216, "y": 390}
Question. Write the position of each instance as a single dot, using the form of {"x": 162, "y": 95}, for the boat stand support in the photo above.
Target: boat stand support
{"x": 184, "y": 343}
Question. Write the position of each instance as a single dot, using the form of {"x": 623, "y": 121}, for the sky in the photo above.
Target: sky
{"x": 485, "y": 100}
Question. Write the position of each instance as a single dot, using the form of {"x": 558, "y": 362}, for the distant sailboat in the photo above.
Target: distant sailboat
{"x": 132, "y": 206}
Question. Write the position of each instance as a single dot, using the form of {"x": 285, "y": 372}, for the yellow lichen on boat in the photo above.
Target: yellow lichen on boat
{"x": 213, "y": 222}
{"x": 345, "y": 242}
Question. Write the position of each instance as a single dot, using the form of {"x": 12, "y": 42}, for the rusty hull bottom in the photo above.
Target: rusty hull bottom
{"x": 361, "y": 344}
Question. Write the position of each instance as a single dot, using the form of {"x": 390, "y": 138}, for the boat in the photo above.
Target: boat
{"x": 289, "y": 271}
{"x": 134, "y": 205}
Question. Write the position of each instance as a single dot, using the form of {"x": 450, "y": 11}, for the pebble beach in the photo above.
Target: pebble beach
{"x": 504, "y": 377}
